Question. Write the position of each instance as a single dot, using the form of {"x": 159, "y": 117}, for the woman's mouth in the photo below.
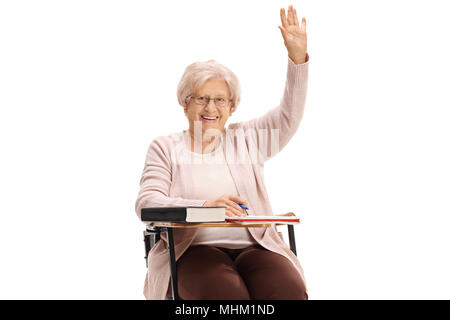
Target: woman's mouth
{"x": 209, "y": 119}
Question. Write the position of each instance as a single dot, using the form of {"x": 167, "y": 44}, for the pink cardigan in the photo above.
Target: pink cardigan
{"x": 167, "y": 180}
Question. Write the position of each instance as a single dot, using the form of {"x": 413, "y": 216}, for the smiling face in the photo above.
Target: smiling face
{"x": 210, "y": 115}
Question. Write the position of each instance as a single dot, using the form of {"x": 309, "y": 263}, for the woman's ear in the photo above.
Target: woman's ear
{"x": 186, "y": 103}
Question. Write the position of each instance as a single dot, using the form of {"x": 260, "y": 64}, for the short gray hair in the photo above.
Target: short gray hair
{"x": 197, "y": 73}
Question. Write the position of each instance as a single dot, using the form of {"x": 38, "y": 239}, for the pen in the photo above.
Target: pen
{"x": 242, "y": 206}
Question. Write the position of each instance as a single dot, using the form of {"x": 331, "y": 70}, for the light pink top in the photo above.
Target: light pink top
{"x": 167, "y": 181}
{"x": 212, "y": 179}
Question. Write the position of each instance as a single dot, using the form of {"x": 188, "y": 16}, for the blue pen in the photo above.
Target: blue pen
{"x": 242, "y": 206}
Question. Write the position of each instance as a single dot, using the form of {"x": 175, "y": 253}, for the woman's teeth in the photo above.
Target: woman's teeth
{"x": 209, "y": 118}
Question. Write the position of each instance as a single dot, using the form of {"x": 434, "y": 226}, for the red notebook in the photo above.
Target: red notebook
{"x": 264, "y": 219}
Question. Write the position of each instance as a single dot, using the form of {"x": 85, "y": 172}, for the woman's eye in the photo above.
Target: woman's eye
{"x": 220, "y": 99}
{"x": 202, "y": 98}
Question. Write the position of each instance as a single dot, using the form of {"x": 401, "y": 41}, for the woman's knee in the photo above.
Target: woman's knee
{"x": 270, "y": 276}
{"x": 291, "y": 288}
{"x": 278, "y": 287}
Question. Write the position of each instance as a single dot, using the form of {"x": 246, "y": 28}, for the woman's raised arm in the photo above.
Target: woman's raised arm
{"x": 278, "y": 125}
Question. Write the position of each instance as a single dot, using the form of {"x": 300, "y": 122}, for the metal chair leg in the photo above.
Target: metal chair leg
{"x": 292, "y": 238}
{"x": 173, "y": 265}
{"x": 148, "y": 245}
{"x": 151, "y": 237}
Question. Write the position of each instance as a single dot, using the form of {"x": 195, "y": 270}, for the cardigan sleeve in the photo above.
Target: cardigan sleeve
{"x": 275, "y": 128}
{"x": 156, "y": 181}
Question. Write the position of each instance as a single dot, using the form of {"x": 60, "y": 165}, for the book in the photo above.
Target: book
{"x": 183, "y": 214}
{"x": 264, "y": 219}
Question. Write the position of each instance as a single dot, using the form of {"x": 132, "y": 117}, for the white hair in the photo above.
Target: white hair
{"x": 197, "y": 73}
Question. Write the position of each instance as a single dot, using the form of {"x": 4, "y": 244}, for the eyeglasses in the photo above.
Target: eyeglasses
{"x": 218, "y": 101}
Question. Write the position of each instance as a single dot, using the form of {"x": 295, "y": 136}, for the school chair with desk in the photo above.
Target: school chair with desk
{"x": 152, "y": 234}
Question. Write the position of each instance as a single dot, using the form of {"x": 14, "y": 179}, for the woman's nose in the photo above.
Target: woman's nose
{"x": 210, "y": 105}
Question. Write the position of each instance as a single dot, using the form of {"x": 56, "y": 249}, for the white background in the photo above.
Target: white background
{"x": 86, "y": 85}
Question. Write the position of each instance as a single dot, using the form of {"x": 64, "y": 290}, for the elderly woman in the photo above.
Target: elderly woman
{"x": 225, "y": 263}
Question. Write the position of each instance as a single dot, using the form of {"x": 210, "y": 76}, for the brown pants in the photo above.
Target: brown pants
{"x": 253, "y": 273}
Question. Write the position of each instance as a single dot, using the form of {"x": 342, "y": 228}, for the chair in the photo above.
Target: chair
{"x": 152, "y": 235}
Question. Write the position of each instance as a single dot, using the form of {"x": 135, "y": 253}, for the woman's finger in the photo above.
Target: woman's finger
{"x": 283, "y": 33}
{"x": 235, "y": 206}
{"x": 295, "y": 17}
{"x": 233, "y": 212}
{"x": 304, "y": 24}
{"x": 228, "y": 213}
{"x": 238, "y": 199}
{"x": 283, "y": 18}
{"x": 238, "y": 213}
{"x": 290, "y": 16}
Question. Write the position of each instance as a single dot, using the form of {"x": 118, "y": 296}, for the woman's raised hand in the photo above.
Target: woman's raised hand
{"x": 229, "y": 201}
{"x": 294, "y": 35}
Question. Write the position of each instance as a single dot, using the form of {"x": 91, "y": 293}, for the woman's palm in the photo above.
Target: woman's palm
{"x": 294, "y": 35}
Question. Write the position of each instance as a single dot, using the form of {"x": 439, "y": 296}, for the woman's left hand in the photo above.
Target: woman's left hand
{"x": 294, "y": 35}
